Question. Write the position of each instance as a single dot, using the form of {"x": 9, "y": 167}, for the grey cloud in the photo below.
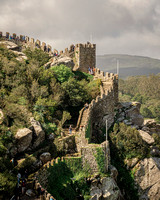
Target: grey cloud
{"x": 117, "y": 26}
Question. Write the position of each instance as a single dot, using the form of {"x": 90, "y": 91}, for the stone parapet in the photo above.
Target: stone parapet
{"x": 28, "y": 42}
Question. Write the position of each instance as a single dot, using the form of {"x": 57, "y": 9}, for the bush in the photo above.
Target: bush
{"x": 128, "y": 142}
{"x": 67, "y": 180}
{"x": 62, "y": 72}
{"x": 37, "y": 55}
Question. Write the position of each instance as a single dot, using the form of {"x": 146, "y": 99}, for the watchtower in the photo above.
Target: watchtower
{"x": 84, "y": 56}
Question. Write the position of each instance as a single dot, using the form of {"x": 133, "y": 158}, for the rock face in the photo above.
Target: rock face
{"x": 150, "y": 126}
{"x": 21, "y": 56}
{"x": 45, "y": 157}
{"x": 110, "y": 189}
{"x": 146, "y": 137}
{"x": 134, "y": 114}
{"x": 129, "y": 113}
{"x": 63, "y": 60}
{"x": 39, "y": 134}
{"x": 147, "y": 177}
{"x": 105, "y": 189}
{"x": 10, "y": 45}
{"x": 23, "y": 139}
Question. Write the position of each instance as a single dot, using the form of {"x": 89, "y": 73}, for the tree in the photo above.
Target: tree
{"x": 63, "y": 73}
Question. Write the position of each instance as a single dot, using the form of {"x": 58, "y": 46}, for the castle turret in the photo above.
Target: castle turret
{"x": 85, "y": 56}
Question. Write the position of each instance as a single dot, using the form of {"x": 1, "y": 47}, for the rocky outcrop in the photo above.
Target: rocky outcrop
{"x": 39, "y": 134}
{"x": 129, "y": 113}
{"x": 147, "y": 177}
{"x": 20, "y": 56}
{"x": 65, "y": 60}
{"x": 146, "y": 137}
{"x": 105, "y": 189}
{"x": 23, "y": 139}
{"x": 10, "y": 45}
{"x": 150, "y": 126}
{"x": 114, "y": 172}
{"x": 45, "y": 157}
{"x": 130, "y": 163}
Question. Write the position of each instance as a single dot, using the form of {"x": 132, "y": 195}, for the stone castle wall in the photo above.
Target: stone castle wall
{"x": 100, "y": 109}
{"x": 27, "y": 42}
{"x": 83, "y": 55}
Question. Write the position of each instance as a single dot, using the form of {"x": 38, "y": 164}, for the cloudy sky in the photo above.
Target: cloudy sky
{"x": 116, "y": 26}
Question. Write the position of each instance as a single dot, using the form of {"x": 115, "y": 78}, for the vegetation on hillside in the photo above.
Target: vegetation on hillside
{"x": 67, "y": 180}
{"x": 27, "y": 88}
{"x": 126, "y": 143}
{"x": 52, "y": 96}
{"x": 145, "y": 90}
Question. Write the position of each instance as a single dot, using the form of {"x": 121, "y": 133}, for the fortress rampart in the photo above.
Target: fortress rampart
{"x": 27, "y": 42}
{"x": 83, "y": 55}
{"x": 99, "y": 110}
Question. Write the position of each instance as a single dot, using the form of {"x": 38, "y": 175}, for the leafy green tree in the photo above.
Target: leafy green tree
{"x": 37, "y": 55}
{"x": 75, "y": 93}
{"x": 128, "y": 142}
{"x": 62, "y": 72}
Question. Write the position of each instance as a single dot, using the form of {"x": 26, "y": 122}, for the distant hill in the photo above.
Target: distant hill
{"x": 128, "y": 65}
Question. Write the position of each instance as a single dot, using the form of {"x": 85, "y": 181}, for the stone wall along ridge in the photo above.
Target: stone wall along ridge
{"x": 108, "y": 90}
{"x": 28, "y": 42}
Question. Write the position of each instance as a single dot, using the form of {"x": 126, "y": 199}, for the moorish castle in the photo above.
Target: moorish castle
{"x": 82, "y": 145}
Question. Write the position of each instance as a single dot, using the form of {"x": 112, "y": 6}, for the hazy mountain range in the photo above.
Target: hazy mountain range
{"x": 129, "y": 65}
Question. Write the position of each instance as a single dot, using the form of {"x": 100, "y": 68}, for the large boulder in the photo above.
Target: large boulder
{"x": 23, "y": 139}
{"x": 130, "y": 163}
{"x": 10, "y": 45}
{"x": 105, "y": 188}
{"x": 137, "y": 120}
{"x": 110, "y": 189}
{"x": 39, "y": 134}
{"x": 65, "y": 60}
{"x": 146, "y": 137}
{"x": 114, "y": 172}
{"x": 96, "y": 193}
{"x": 147, "y": 177}
{"x": 151, "y": 126}
{"x": 45, "y": 157}
{"x": 134, "y": 114}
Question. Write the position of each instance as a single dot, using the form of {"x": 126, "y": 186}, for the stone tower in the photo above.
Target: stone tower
{"x": 84, "y": 57}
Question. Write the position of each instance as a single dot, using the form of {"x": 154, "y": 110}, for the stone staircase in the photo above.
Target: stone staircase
{"x": 84, "y": 117}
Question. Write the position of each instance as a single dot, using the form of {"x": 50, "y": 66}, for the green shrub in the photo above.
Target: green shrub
{"x": 88, "y": 131}
{"x": 128, "y": 142}
{"x": 100, "y": 158}
{"x": 27, "y": 162}
{"x": 62, "y": 72}
{"x": 67, "y": 180}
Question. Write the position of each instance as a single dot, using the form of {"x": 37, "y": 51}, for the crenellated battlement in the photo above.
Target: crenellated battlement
{"x": 27, "y": 42}
{"x": 105, "y": 76}
{"x": 100, "y": 109}
{"x": 83, "y": 55}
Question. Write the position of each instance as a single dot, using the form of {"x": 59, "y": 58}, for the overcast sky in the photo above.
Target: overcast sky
{"x": 116, "y": 26}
